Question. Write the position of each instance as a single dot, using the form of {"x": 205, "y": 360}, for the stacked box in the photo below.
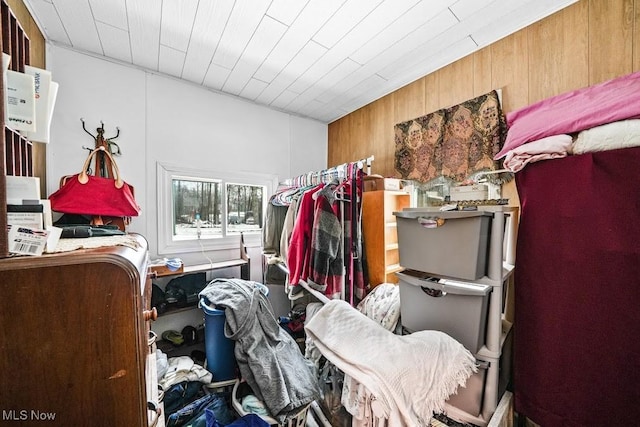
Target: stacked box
{"x": 453, "y": 243}
{"x": 459, "y": 309}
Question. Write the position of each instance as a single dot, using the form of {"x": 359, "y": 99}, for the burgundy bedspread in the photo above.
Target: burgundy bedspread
{"x": 577, "y": 281}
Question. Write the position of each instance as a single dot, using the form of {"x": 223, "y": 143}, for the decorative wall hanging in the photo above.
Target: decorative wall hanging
{"x": 453, "y": 143}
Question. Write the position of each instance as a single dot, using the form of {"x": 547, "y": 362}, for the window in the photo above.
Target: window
{"x": 200, "y": 209}
{"x": 244, "y": 207}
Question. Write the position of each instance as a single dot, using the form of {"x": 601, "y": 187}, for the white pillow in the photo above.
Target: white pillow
{"x": 621, "y": 134}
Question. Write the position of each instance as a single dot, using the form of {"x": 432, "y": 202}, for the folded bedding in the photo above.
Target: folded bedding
{"x": 622, "y": 134}
{"x": 571, "y": 112}
{"x": 551, "y": 147}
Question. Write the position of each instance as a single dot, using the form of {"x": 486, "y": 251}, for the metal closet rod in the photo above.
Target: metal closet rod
{"x": 329, "y": 172}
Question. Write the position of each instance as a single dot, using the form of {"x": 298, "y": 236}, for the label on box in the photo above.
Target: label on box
{"x": 27, "y": 241}
{"x": 469, "y": 192}
{"x": 26, "y": 219}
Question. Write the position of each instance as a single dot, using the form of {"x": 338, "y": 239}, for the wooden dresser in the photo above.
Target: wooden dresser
{"x": 74, "y": 341}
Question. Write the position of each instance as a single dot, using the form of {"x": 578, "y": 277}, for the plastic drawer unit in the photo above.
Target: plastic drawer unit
{"x": 459, "y": 309}
{"x": 453, "y": 243}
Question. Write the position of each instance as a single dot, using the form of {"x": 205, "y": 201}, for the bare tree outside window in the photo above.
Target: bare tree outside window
{"x": 244, "y": 207}
{"x": 197, "y": 200}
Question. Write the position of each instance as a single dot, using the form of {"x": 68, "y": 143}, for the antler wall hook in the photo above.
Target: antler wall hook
{"x": 107, "y": 143}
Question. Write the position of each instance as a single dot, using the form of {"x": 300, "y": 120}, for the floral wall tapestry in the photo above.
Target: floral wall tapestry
{"x": 453, "y": 143}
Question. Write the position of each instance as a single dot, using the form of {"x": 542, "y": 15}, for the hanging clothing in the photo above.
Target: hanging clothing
{"x": 324, "y": 245}
{"x": 326, "y": 272}
{"x": 298, "y": 252}
{"x": 287, "y": 226}
{"x": 352, "y": 223}
{"x": 273, "y": 225}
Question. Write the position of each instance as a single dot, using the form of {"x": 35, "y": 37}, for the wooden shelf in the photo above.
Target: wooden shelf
{"x": 380, "y": 233}
{"x": 215, "y": 266}
{"x": 391, "y": 246}
{"x": 394, "y": 268}
{"x": 244, "y": 262}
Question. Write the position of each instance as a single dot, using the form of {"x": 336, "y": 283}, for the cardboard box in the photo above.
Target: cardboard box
{"x": 377, "y": 183}
{"x": 469, "y": 192}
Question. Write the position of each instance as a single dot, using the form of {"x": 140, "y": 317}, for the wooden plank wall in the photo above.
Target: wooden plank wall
{"x": 586, "y": 43}
{"x": 37, "y": 54}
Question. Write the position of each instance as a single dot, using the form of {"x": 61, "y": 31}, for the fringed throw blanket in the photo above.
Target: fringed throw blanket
{"x": 454, "y": 142}
{"x": 408, "y": 377}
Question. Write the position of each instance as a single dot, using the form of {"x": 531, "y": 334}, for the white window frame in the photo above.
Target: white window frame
{"x": 165, "y": 175}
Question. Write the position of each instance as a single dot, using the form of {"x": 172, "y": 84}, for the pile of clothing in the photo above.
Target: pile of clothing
{"x": 189, "y": 402}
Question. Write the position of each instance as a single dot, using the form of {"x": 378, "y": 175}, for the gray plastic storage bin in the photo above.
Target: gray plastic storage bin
{"x": 469, "y": 398}
{"x": 456, "y": 308}
{"x": 453, "y": 243}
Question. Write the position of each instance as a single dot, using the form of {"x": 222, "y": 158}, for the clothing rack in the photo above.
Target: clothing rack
{"x": 341, "y": 177}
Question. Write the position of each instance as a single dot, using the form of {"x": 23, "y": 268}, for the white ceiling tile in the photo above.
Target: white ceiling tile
{"x": 265, "y": 38}
{"x": 414, "y": 18}
{"x": 307, "y": 56}
{"x": 321, "y": 67}
{"x": 313, "y": 105}
{"x": 271, "y": 92}
{"x": 514, "y": 19}
{"x": 79, "y": 24}
{"x": 366, "y": 29}
{"x": 300, "y": 102}
{"x": 253, "y": 89}
{"x": 113, "y": 12}
{"x": 323, "y": 88}
{"x": 338, "y": 89}
{"x": 177, "y": 20}
{"x": 144, "y": 30}
{"x": 382, "y": 16}
{"x": 279, "y": 57}
{"x": 353, "y": 96}
{"x": 283, "y": 99}
{"x": 312, "y": 17}
{"x": 286, "y": 11}
{"x": 344, "y": 69}
{"x": 330, "y": 114}
{"x": 171, "y": 61}
{"x": 210, "y": 21}
{"x": 344, "y": 20}
{"x": 115, "y": 42}
{"x": 464, "y": 9}
{"x": 47, "y": 18}
{"x": 240, "y": 27}
{"x": 439, "y": 59}
{"x": 435, "y": 42}
{"x": 417, "y": 45}
{"x": 313, "y": 58}
{"x": 216, "y": 76}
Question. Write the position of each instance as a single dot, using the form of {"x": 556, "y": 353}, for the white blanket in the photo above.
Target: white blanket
{"x": 408, "y": 377}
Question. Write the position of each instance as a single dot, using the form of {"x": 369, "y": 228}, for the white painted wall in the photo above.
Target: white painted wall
{"x": 162, "y": 119}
